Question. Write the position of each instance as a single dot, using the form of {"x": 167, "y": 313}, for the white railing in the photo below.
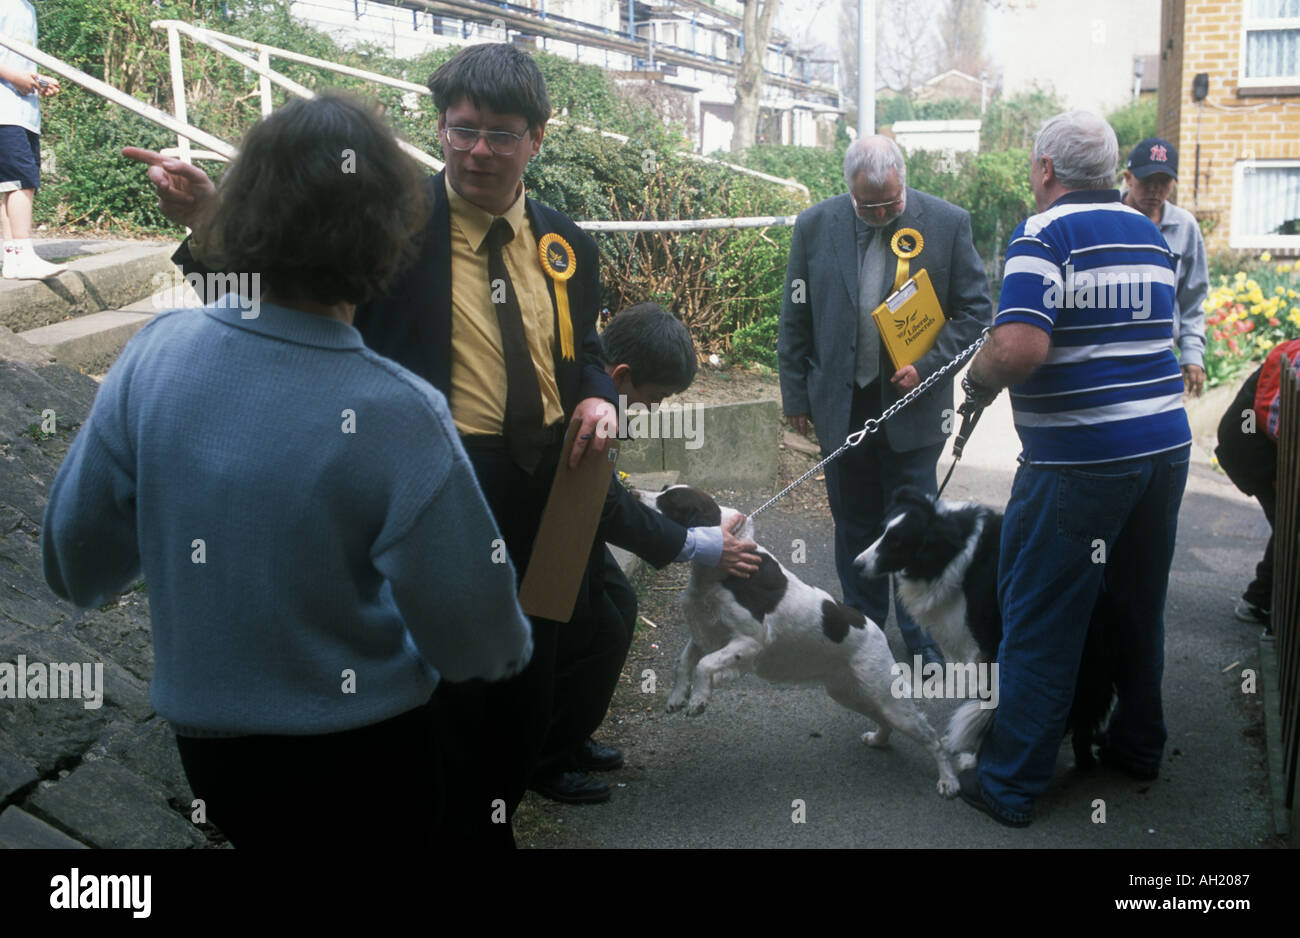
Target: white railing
{"x": 222, "y": 42}
{"x": 219, "y": 149}
{"x": 697, "y": 224}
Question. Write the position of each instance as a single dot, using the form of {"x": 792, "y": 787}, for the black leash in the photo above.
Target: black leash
{"x": 977, "y": 398}
{"x": 959, "y": 444}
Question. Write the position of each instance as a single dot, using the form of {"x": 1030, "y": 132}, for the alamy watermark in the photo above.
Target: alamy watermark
{"x": 79, "y": 890}
{"x": 223, "y": 290}
{"x": 1102, "y": 289}
{"x": 952, "y": 680}
{"x": 673, "y": 421}
{"x": 78, "y": 680}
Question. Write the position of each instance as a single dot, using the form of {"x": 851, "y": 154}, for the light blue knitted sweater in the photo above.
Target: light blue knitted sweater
{"x": 316, "y": 548}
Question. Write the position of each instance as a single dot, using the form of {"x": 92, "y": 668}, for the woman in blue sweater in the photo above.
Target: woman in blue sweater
{"x": 316, "y": 548}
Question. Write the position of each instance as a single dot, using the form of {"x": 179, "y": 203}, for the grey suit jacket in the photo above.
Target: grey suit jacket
{"x": 819, "y": 317}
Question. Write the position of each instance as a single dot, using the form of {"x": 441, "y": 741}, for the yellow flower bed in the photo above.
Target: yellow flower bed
{"x": 1246, "y": 315}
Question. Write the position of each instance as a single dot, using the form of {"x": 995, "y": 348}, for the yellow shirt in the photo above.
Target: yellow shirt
{"x": 478, "y": 367}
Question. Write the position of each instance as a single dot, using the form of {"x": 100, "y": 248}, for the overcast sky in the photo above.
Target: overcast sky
{"x": 819, "y": 21}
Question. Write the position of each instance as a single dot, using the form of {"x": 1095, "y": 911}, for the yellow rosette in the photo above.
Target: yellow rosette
{"x": 906, "y": 244}
{"x": 560, "y": 263}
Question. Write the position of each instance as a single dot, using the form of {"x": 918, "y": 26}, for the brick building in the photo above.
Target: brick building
{"x": 1244, "y": 184}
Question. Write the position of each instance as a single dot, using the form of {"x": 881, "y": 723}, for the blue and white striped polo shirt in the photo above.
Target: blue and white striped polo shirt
{"x": 1098, "y": 277}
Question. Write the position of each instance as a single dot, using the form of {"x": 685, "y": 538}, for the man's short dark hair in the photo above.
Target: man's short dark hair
{"x": 654, "y": 345}
{"x": 495, "y": 74}
{"x": 321, "y": 202}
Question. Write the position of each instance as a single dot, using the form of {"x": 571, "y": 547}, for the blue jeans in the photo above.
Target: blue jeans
{"x": 1068, "y": 530}
{"x": 859, "y": 486}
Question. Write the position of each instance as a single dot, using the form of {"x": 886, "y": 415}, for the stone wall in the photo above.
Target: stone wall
{"x": 106, "y": 776}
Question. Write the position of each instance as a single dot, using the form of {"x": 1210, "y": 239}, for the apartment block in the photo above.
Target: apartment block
{"x": 686, "y": 51}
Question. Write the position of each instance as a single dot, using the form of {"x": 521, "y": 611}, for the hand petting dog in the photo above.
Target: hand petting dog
{"x": 738, "y": 557}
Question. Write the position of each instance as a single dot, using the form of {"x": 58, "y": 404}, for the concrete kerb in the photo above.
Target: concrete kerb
{"x": 727, "y": 446}
{"x": 115, "y": 274}
{"x": 15, "y": 348}
{"x": 90, "y": 343}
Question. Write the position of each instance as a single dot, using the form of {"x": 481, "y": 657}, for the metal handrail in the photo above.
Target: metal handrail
{"x": 691, "y": 224}
{"x": 147, "y": 111}
{"x": 267, "y": 74}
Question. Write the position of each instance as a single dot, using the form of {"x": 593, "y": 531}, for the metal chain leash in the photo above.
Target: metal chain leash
{"x": 874, "y": 423}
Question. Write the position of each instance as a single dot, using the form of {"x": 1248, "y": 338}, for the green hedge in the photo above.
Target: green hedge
{"x": 822, "y": 171}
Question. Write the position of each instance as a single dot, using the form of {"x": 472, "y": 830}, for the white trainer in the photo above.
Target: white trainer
{"x": 28, "y": 266}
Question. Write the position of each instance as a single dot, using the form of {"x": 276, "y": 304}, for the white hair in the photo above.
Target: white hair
{"x": 876, "y": 157}
{"x": 1082, "y": 148}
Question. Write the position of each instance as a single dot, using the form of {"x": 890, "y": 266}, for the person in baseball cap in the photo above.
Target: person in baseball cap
{"x": 1149, "y": 177}
{"x": 1150, "y": 173}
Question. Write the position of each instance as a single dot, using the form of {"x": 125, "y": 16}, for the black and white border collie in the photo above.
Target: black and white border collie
{"x": 782, "y": 629}
{"x": 945, "y": 558}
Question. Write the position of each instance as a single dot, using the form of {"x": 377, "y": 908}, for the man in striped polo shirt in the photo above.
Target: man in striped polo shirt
{"x": 1082, "y": 339}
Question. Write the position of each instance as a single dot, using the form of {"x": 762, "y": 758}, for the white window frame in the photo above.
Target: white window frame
{"x": 1272, "y": 242}
{"x": 1249, "y": 25}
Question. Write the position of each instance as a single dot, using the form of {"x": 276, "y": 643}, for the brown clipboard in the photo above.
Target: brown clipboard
{"x": 563, "y": 545}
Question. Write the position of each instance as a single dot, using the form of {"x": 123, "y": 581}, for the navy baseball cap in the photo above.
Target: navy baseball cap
{"x": 1153, "y": 155}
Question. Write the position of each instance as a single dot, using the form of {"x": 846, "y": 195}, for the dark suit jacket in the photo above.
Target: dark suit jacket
{"x": 818, "y": 338}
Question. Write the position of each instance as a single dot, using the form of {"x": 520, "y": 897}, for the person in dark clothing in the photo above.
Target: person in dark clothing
{"x": 1247, "y": 453}
{"x": 649, "y": 355}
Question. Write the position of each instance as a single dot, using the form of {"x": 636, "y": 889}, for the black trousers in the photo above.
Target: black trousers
{"x": 589, "y": 660}
{"x": 623, "y": 596}
{"x": 1249, "y": 457}
{"x": 1260, "y": 591}
{"x": 495, "y": 732}
{"x": 302, "y": 792}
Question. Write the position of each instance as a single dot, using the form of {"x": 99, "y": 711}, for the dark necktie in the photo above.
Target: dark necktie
{"x": 522, "y": 428}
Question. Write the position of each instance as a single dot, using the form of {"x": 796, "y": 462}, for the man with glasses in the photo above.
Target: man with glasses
{"x": 834, "y": 371}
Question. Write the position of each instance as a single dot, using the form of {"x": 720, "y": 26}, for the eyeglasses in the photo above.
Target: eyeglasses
{"x": 866, "y": 206}
{"x": 500, "y": 142}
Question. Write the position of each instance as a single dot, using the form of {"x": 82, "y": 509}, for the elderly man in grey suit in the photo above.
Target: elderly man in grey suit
{"x": 834, "y": 370}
